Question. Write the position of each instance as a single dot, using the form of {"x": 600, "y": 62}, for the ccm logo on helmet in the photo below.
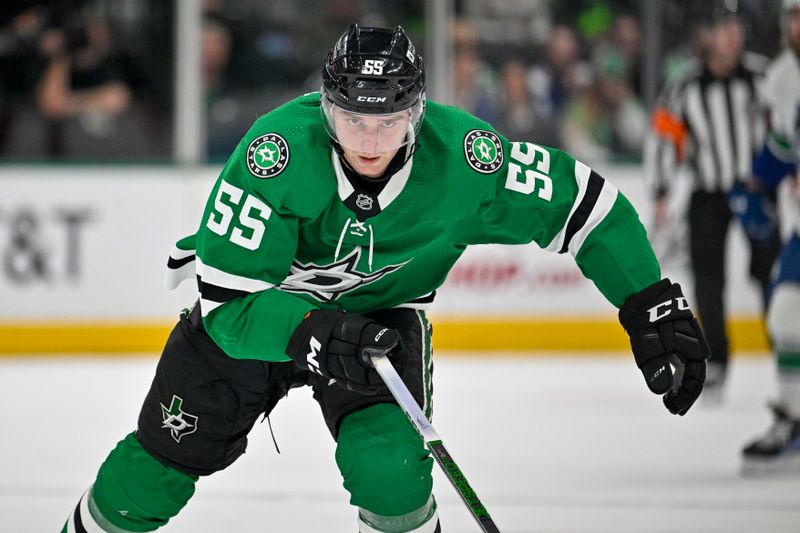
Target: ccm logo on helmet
{"x": 375, "y": 99}
{"x": 656, "y": 315}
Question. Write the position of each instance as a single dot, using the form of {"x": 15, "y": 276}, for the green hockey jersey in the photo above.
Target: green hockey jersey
{"x": 285, "y": 232}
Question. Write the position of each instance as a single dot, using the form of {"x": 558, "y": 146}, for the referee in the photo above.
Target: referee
{"x": 711, "y": 120}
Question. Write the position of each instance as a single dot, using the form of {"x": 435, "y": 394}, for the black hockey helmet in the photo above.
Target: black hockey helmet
{"x": 373, "y": 71}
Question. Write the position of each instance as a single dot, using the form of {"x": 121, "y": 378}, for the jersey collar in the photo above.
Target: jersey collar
{"x": 393, "y": 188}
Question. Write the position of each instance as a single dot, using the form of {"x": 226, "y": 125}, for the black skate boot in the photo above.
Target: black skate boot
{"x": 777, "y": 451}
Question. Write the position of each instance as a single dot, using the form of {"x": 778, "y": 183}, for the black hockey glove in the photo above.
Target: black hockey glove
{"x": 667, "y": 343}
{"x": 338, "y": 346}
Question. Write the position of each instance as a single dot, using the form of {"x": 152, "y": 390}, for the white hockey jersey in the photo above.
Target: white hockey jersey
{"x": 782, "y": 97}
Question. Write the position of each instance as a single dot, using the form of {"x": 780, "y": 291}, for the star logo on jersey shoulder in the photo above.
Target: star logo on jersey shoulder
{"x": 267, "y": 155}
{"x": 178, "y": 422}
{"x": 483, "y": 150}
{"x": 326, "y": 283}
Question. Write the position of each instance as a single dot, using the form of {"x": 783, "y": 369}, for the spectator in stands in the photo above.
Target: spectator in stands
{"x": 18, "y": 56}
{"x": 556, "y": 79}
{"x": 518, "y": 117}
{"x": 223, "y": 112}
{"x": 626, "y": 39}
{"x": 683, "y": 58}
{"x": 606, "y": 120}
{"x": 82, "y": 80}
{"x": 215, "y": 46}
{"x": 474, "y": 85}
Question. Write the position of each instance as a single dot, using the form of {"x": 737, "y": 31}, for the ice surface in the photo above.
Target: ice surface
{"x": 550, "y": 444}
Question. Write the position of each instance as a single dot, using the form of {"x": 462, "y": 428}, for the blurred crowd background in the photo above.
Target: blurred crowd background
{"x": 93, "y": 80}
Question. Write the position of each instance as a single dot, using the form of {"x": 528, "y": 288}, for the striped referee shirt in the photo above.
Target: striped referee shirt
{"x": 714, "y": 125}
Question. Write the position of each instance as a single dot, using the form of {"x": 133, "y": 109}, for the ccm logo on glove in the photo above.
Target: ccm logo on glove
{"x": 653, "y": 311}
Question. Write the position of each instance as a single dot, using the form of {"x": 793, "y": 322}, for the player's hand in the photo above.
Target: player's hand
{"x": 339, "y": 346}
{"x": 667, "y": 343}
{"x": 754, "y": 211}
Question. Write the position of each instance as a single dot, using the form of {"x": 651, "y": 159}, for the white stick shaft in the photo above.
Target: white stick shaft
{"x": 434, "y": 443}
{"x": 404, "y": 398}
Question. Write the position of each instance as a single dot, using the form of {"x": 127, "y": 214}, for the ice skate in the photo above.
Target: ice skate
{"x": 777, "y": 452}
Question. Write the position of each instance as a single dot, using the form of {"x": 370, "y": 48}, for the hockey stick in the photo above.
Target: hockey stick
{"x": 433, "y": 442}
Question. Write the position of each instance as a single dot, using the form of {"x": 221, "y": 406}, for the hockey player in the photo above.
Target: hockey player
{"x": 708, "y": 128}
{"x": 322, "y": 242}
{"x": 779, "y": 449}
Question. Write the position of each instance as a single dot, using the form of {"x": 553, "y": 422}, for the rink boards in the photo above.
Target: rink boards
{"x": 83, "y": 251}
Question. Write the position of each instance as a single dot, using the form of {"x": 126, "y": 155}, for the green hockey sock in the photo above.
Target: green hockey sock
{"x": 135, "y": 492}
{"x": 383, "y": 461}
{"x": 789, "y": 381}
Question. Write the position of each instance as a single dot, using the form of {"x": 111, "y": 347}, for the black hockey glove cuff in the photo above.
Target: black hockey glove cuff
{"x": 667, "y": 343}
{"x": 338, "y": 346}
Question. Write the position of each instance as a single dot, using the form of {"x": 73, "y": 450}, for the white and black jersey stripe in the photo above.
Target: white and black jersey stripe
{"x": 422, "y": 303}
{"x": 725, "y": 124}
{"x": 180, "y": 267}
{"x": 217, "y": 286}
{"x": 593, "y": 202}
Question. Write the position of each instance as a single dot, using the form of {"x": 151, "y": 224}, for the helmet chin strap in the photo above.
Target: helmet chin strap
{"x": 343, "y": 160}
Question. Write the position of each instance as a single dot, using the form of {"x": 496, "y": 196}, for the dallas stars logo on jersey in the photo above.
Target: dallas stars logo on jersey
{"x": 483, "y": 151}
{"x": 179, "y": 422}
{"x": 327, "y": 282}
{"x": 267, "y": 155}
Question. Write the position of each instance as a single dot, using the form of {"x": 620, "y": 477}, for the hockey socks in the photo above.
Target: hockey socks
{"x": 385, "y": 467}
{"x": 133, "y": 492}
{"x": 784, "y": 327}
{"x": 789, "y": 382}
{"x": 423, "y": 520}
{"x": 87, "y": 518}
{"x": 778, "y": 450}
